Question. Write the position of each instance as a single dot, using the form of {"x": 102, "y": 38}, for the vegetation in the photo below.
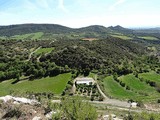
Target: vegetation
{"x": 75, "y": 109}
{"x": 143, "y": 116}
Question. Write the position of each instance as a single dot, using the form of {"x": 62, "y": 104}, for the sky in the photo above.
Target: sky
{"x": 81, "y": 13}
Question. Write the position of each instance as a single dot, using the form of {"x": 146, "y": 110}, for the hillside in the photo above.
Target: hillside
{"x": 34, "y": 51}
{"x": 59, "y": 32}
{"x": 22, "y": 29}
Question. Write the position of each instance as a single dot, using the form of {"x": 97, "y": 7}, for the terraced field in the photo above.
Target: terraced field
{"x": 136, "y": 85}
{"x": 49, "y": 84}
{"x": 152, "y": 76}
{"x": 138, "y": 90}
{"x": 113, "y": 89}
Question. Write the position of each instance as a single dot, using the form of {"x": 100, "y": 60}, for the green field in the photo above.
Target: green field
{"x": 138, "y": 90}
{"x": 31, "y": 36}
{"x": 152, "y": 76}
{"x": 37, "y": 35}
{"x": 136, "y": 85}
{"x": 49, "y": 84}
{"x": 148, "y": 38}
{"x": 122, "y": 37}
{"x": 113, "y": 89}
{"x": 44, "y": 50}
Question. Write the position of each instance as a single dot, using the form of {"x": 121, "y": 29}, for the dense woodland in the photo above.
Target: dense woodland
{"x": 104, "y": 56}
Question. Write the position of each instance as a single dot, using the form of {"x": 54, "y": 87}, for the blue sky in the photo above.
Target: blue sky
{"x": 80, "y": 13}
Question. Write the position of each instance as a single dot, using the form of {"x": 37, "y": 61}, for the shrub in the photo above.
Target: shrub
{"x": 122, "y": 84}
{"x": 12, "y": 113}
{"x": 140, "y": 104}
{"x": 158, "y": 101}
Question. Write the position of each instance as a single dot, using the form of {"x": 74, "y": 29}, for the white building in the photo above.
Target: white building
{"x": 84, "y": 80}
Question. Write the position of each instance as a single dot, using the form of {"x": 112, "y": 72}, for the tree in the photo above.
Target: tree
{"x": 76, "y": 109}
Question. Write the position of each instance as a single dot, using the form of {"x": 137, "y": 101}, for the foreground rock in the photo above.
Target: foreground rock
{"x": 22, "y": 109}
{"x": 18, "y": 100}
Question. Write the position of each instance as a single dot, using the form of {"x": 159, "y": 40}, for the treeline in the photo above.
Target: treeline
{"x": 16, "y": 69}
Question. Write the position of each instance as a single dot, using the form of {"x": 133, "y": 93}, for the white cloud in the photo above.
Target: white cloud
{"x": 112, "y": 7}
{"x": 62, "y": 6}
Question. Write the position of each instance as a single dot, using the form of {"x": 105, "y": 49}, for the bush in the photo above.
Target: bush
{"x": 76, "y": 109}
{"x": 140, "y": 104}
{"x": 100, "y": 98}
{"x": 12, "y": 113}
{"x": 127, "y": 88}
{"x": 122, "y": 84}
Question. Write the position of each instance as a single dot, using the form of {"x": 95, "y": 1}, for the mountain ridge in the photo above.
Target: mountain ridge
{"x": 19, "y": 29}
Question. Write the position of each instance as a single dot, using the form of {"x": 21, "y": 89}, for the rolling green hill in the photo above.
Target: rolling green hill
{"x": 55, "y": 31}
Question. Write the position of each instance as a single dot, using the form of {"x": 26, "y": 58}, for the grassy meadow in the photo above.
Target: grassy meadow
{"x": 49, "y": 84}
{"x": 152, "y": 76}
{"x": 113, "y": 89}
{"x": 138, "y": 90}
{"x": 32, "y": 36}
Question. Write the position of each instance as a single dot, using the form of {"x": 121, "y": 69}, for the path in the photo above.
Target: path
{"x": 30, "y": 55}
{"x": 110, "y": 101}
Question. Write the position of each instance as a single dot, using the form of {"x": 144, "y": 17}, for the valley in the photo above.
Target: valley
{"x": 42, "y": 61}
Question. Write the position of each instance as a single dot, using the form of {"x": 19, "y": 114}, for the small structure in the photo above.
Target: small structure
{"x": 84, "y": 80}
{"x": 134, "y": 104}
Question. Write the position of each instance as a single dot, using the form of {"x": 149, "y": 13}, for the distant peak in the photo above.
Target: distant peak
{"x": 117, "y": 26}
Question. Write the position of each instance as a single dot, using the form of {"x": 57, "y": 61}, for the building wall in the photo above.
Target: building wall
{"x": 83, "y": 82}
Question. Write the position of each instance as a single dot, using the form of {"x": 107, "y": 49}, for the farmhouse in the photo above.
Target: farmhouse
{"x": 84, "y": 80}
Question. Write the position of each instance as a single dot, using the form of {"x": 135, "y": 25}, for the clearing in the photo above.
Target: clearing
{"x": 44, "y": 50}
{"x": 32, "y": 36}
{"x": 122, "y": 37}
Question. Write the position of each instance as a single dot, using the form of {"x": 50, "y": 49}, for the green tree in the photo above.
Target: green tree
{"x": 76, "y": 109}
